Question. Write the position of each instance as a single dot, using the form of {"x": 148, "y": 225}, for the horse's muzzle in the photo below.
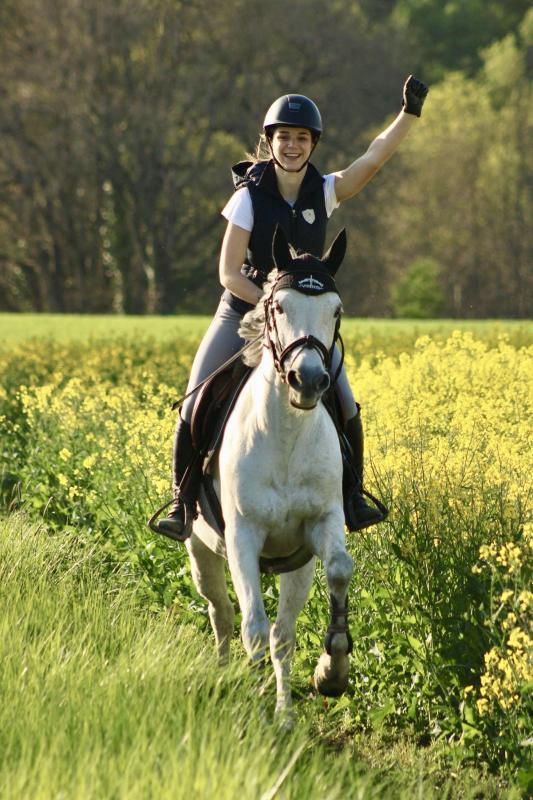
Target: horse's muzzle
{"x": 307, "y": 385}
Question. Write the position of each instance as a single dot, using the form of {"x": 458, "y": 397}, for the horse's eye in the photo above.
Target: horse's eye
{"x": 278, "y": 308}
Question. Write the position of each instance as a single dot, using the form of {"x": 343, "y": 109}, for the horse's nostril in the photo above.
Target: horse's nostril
{"x": 292, "y": 379}
{"x": 323, "y": 382}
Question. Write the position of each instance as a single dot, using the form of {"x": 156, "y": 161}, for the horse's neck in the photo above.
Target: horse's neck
{"x": 272, "y": 408}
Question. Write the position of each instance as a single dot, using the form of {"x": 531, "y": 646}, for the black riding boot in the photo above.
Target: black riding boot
{"x": 185, "y": 477}
{"x": 357, "y": 512}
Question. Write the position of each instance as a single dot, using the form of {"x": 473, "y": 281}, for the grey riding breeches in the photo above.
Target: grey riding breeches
{"x": 221, "y": 341}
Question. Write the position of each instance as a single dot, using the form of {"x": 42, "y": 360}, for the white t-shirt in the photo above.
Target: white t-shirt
{"x": 239, "y": 209}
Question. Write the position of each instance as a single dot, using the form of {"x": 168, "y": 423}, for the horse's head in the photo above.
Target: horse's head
{"x": 302, "y": 318}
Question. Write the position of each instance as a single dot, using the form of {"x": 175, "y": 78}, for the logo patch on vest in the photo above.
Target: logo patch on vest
{"x": 309, "y": 215}
{"x": 310, "y": 283}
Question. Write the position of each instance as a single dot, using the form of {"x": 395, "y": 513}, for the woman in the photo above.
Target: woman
{"x": 282, "y": 189}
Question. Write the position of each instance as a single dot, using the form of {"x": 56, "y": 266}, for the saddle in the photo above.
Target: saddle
{"x": 214, "y": 403}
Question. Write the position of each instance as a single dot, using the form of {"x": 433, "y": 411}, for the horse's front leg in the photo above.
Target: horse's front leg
{"x": 244, "y": 543}
{"x": 208, "y": 572}
{"x": 293, "y": 590}
{"x": 326, "y": 538}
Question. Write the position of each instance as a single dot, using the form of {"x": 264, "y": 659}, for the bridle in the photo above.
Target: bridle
{"x": 271, "y": 338}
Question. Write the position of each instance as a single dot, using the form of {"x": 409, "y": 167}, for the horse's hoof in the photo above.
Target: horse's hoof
{"x": 223, "y": 659}
{"x": 331, "y": 676}
{"x": 285, "y": 719}
{"x": 328, "y": 688}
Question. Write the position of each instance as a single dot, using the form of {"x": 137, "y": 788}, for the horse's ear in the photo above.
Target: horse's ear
{"x": 280, "y": 249}
{"x": 333, "y": 258}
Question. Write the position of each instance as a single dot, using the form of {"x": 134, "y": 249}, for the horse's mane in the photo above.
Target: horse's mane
{"x": 253, "y": 322}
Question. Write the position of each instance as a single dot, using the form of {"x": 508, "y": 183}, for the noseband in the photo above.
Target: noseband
{"x": 305, "y": 283}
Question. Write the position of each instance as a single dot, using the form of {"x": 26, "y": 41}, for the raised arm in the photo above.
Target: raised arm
{"x": 232, "y": 255}
{"x": 351, "y": 180}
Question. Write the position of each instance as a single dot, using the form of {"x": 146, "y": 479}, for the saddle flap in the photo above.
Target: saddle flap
{"x": 209, "y": 403}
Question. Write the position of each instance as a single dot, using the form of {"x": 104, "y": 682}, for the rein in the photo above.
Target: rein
{"x": 177, "y": 403}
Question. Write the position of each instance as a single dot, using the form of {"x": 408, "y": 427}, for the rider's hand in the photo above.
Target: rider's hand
{"x": 414, "y": 94}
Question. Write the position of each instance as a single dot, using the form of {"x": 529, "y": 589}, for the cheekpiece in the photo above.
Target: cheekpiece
{"x": 307, "y": 282}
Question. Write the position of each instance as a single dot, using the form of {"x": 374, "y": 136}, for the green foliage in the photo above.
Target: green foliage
{"x": 113, "y": 180}
{"x": 86, "y": 446}
{"x": 450, "y": 35}
{"x": 417, "y": 293}
{"x": 469, "y": 169}
{"x": 100, "y": 697}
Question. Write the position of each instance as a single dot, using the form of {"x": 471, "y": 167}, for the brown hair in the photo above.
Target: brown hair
{"x": 262, "y": 150}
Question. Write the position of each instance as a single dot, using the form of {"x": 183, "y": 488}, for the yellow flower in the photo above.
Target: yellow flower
{"x": 509, "y": 555}
{"x": 509, "y": 621}
{"x": 518, "y": 640}
{"x": 487, "y": 551}
{"x": 65, "y": 454}
{"x": 89, "y": 461}
{"x": 525, "y": 600}
{"x": 491, "y": 657}
{"x": 482, "y": 705}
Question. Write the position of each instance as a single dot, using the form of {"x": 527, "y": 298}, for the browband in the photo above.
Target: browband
{"x": 306, "y": 282}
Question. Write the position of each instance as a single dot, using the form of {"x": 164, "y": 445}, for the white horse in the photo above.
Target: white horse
{"x": 279, "y": 476}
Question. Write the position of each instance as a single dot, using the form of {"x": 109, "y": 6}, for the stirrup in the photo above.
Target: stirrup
{"x": 381, "y": 513}
{"x": 154, "y": 525}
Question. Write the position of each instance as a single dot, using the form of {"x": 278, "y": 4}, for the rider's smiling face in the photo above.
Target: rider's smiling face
{"x": 292, "y": 146}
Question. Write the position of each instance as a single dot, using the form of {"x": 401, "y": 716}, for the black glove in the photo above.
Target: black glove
{"x": 414, "y": 94}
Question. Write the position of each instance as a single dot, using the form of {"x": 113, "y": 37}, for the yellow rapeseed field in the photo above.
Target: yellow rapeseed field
{"x": 443, "y": 621}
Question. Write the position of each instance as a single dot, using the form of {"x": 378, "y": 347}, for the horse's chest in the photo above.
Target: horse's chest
{"x": 289, "y": 491}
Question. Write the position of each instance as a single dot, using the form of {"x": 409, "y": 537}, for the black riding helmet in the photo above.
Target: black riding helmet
{"x": 294, "y": 111}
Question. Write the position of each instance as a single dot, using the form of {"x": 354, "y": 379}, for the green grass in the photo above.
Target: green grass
{"x": 67, "y": 327}
{"x": 76, "y": 327}
{"x": 101, "y": 699}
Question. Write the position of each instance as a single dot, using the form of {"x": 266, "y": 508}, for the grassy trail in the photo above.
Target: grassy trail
{"x": 100, "y": 698}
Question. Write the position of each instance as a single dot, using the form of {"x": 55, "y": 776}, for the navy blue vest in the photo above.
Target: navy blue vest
{"x": 304, "y": 223}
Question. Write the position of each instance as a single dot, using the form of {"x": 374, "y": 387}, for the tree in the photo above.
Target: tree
{"x": 120, "y": 122}
{"x": 450, "y": 36}
{"x": 119, "y": 131}
{"x": 417, "y": 292}
{"x": 50, "y": 173}
{"x": 459, "y": 189}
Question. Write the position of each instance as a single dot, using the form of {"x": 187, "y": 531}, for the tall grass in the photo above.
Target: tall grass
{"x": 441, "y": 601}
{"x": 100, "y": 698}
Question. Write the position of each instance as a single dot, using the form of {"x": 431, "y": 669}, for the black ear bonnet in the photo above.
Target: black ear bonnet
{"x": 306, "y": 282}
{"x": 306, "y": 273}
